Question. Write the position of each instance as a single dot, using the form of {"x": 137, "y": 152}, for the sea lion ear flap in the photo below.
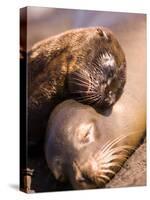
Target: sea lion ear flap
{"x": 102, "y": 33}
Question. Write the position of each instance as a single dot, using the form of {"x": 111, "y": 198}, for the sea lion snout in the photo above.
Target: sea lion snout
{"x": 101, "y": 164}
{"x": 91, "y": 172}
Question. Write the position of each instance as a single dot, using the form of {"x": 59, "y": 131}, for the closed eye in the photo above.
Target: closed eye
{"x": 88, "y": 137}
{"x": 85, "y": 138}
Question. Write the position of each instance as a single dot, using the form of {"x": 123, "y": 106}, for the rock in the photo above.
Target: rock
{"x": 133, "y": 173}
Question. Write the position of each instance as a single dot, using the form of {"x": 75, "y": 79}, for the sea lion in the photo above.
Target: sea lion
{"x": 88, "y": 148}
{"x": 84, "y": 64}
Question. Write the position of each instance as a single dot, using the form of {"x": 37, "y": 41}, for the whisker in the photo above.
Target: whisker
{"x": 77, "y": 81}
{"x": 90, "y": 80}
{"x": 105, "y": 177}
{"x": 112, "y": 164}
{"x": 85, "y": 91}
{"x": 105, "y": 147}
{"x": 99, "y": 100}
{"x": 114, "y": 157}
{"x": 123, "y": 148}
{"x": 84, "y": 82}
{"x": 82, "y": 74}
{"x": 88, "y": 98}
{"x": 113, "y": 142}
{"x": 108, "y": 171}
{"x": 100, "y": 180}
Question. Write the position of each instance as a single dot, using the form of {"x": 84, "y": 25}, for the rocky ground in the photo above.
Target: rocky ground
{"x": 133, "y": 173}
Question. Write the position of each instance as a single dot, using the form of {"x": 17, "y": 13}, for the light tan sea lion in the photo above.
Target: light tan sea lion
{"x": 89, "y": 148}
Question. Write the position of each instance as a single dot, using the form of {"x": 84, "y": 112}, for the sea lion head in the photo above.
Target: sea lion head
{"x": 100, "y": 79}
{"x": 78, "y": 149}
{"x": 86, "y": 64}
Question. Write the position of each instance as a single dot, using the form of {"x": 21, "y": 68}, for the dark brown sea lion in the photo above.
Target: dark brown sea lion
{"x": 84, "y": 64}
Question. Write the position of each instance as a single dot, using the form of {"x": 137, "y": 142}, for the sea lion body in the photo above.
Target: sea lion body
{"x": 87, "y": 147}
{"x": 84, "y": 64}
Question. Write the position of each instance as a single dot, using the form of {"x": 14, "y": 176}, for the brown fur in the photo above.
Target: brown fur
{"x": 51, "y": 66}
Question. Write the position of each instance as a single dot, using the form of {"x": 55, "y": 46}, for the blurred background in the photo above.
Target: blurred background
{"x": 44, "y": 22}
